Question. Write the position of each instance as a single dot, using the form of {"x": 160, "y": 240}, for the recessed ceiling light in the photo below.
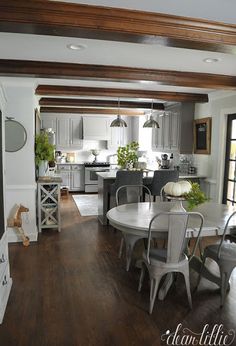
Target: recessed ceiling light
{"x": 76, "y": 46}
{"x": 211, "y": 60}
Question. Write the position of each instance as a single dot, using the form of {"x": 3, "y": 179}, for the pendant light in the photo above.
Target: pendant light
{"x": 151, "y": 123}
{"x": 118, "y": 122}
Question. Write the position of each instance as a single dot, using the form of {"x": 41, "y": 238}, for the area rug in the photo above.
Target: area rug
{"x": 87, "y": 204}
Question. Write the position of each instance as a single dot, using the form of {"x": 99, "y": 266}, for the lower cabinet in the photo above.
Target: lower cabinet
{"x": 5, "y": 279}
{"x": 72, "y": 176}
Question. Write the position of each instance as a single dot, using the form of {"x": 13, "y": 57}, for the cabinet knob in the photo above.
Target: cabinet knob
{"x": 2, "y": 259}
{"x": 4, "y": 283}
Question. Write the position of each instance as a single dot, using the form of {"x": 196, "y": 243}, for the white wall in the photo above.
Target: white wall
{"x": 220, "y": 105}
{"x": 20, "y": 167}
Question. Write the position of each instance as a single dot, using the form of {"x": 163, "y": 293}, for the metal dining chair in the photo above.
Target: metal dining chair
{"x": 124, "y": 195}
{"x": 224, "y": 254}
{"x": 172, "y": 259}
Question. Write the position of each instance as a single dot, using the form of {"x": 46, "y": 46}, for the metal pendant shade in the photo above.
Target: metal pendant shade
{"x": 151, "y": 123}
{"x": 118, "y": 122}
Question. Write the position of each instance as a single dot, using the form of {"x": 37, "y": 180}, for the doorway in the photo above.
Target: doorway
{"x": 229, "y": 191}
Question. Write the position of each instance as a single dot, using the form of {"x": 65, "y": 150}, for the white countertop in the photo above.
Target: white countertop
{"x": 112, "y": 174}
{"x": 70, "y": 163}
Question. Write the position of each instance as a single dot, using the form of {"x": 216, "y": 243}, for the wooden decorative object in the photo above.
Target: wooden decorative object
{"x": 202, "y": 136}
{"x": 16, "y": 222}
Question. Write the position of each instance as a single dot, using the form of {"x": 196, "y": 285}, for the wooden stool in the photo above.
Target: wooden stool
{"x": 64, "y": 192}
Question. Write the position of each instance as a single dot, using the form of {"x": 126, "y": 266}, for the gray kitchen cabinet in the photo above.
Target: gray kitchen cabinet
{"x": 63, "y": 133}
{"x": 49, "y": 122}
{"x": 69, "y": 132}
{"x": 72, "y": 176}
{"x": 176, "y": 129}
{"x": 68, "y": 129}
{"x": 158, "y": 134}
{"x": 119, "y": 136}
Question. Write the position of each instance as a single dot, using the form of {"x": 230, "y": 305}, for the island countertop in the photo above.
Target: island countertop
{"x": 149, "y": 174}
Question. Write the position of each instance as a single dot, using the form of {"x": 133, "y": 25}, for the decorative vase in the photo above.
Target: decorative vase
{"x": 178, "y": 206}
{"x": 43, "y": 168}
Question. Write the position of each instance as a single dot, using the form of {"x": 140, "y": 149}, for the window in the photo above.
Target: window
{"x": 229, "y": 192}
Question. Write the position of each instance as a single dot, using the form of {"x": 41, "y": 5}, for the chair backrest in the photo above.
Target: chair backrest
{"x": 162, "y": 177}
{"x": 224, "y": 233}
{"x": 176, "y": 225}
{"x": 128, "y": 178}
{"x": 131, "y": 194}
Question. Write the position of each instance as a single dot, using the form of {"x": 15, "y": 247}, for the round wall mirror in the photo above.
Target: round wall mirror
{"x": 15, "y": 136}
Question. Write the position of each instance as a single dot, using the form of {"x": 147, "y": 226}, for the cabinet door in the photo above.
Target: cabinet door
{"x": 76, "y": 132}
{"x": 174, "y": 131}
{"x": 157, "y": 134}
{"x": 65, "y": 176}
{"x": 63, "y": 127}
{"x": 49, "y": 122}
{"x": 77, "y": 177}
{"x": 166, "y": 131}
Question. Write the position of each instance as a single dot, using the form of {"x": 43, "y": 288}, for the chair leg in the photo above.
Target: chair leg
{"x": 121, "y": 247}
{"x": 142, "y": 274}
{"x": 200, "y": 274}
{"x": 153, "y": 292}
{"x": 187, "y": 283}
{"x": 225, "y": 276}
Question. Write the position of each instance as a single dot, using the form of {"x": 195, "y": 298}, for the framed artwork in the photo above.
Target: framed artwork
{"x": 202, "y": 136}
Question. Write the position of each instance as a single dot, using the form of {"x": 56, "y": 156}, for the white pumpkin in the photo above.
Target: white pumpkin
{"x": 186, "y": 186}
{"x": 177, "y": 189}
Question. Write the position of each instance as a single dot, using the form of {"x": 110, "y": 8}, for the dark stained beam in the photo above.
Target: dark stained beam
{"x": 65, "y": 90}
{"x": 25, "y": 68}
{"x": 94, "y": 22}
{"x": 53, "y": 101}
{"x": 70, "y": 110}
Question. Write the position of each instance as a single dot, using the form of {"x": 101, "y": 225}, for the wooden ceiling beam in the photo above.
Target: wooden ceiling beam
{"x": 53, "y": 101}
{"x": 107, "y": 111}
{"x": 65, "y": 90}
{"x": 115, "y": 24}
{"x": 40, "y": 69}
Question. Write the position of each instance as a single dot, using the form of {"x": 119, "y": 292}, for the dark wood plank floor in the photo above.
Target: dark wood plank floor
{"x": 70, "y": 289}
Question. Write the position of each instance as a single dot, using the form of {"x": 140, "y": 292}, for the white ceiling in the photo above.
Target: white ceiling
{"x": 49, "y": 48}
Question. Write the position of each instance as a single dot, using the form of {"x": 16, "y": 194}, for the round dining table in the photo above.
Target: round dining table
{"x": 133, "y": 221}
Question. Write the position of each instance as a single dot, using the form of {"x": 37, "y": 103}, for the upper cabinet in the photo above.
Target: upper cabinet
{"x": 96, "y": 128}
{"x": 68, "y": 130}
{"x": 119, "y": 136}
{"x": 176, "y": 129}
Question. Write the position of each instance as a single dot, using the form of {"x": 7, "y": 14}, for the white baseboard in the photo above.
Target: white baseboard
{"x": 13, "y": 237}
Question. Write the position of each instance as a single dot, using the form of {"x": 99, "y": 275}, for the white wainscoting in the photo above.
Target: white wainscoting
{"x": 25, "y": 195}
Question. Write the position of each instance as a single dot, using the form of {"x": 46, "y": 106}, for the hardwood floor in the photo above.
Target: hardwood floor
{"x": 71, "y": 289}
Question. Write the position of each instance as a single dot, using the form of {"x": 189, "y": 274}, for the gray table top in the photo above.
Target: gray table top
{"x": 135, "y": 218}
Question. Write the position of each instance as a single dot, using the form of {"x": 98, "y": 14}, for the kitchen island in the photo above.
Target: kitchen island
{"x": 105, "y": 179}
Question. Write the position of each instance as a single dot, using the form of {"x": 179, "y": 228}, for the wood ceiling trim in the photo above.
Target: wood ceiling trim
{"x": 50, "y": 101}
{"x": 39, "y": 69}
{"x": 64, "y": 90}
{"x": 71, "y": 110}
{"x": 85, "y": 21}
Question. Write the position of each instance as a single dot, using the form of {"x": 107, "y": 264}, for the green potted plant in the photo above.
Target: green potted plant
{"x": 127, "y": 156}
{"x": 44, "y": 152}
{"x": 195, "y": 196}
